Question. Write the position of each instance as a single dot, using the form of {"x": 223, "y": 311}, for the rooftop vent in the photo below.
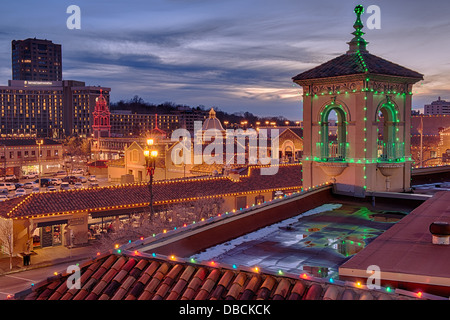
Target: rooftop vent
{"x": 441, "y": 232}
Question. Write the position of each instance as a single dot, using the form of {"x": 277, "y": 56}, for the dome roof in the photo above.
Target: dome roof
{"x": 212, "y": 122}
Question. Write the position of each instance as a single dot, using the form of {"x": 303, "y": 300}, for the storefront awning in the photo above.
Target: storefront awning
{"x": 118, "y": 212}
{"x": 51, "y": 223}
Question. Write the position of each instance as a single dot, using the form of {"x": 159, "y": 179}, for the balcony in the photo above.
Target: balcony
{"x": 390, "y": 152}
{"x": 333, "y": 151}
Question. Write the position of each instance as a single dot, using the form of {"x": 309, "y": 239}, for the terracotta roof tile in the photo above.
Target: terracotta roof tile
{"x": 182, "y": 283}
{"x": 136, "y": 291}
{"x": 297, "y": 291}
{"x": 366, "y": 296}
{"x": 208, "y": 285}
{"x": 154, "y": 282}
{"x": 331, "y": 293}
{"x": 282, "y": 290}
{"x": 237, "y": 287}
{"x": 129, "y": 278}
{"x": 349, "y": 295}
{"x": 123, "y": 196}
{"x": 314, "y": 292}
{"x": 251, "y": 288}
{"x": 148, "y": 273}
{"x": 194, "y": 284}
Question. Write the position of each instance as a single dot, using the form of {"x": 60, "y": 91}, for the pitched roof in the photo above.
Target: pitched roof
{"x": 138, "y": 195}
{"x": 357, "y": 63}
{"x": 131, "y": 276}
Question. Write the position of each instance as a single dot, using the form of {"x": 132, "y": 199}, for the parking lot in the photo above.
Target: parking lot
{"x": 27, "y": 186}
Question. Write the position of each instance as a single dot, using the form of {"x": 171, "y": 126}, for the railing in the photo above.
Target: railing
{"x": 390, "y": 152}
{"x": 332, "y": 151}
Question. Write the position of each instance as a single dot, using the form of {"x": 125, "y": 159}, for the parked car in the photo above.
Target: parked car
{"x": 18, "y": 185}
{"x": 82, "y": 179}
{"x": 45, "y": 182}
{"x": 35, "y": 190}
{"x": 30, "y": 175}
{"x": 7, "y": 185}
{"x": 64, "y": 186}
{"x": 93, "y": 184}
{"x": 78, "y": 171}
{"x": 4, "y": 191}
{"x": 51, "y": 188}
{"x": 61, "y": 173}
{"x": 3, "y": 197}
{"x": 70, "y": 179}
{"x": 30, "y": 185}
{"x": 92, "y": 178}
{"x": 55, "y": 181}
{"x": 78, "y": 185}
{"x": 21, "y": 192}
{"x": 11, "y": 177}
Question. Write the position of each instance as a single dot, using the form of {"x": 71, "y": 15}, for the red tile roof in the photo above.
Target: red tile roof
{"x": 129, "y": 277}
{"x": 350, "y": 64}
{"x": 116, "y": 197}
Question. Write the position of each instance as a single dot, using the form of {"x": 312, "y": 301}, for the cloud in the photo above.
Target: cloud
{"x": 237, "y": 55}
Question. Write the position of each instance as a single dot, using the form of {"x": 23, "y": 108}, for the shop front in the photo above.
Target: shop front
{"x": 69, "y": 230}
{"x": 48, "y": 233}
{"x": 30, "y": 169}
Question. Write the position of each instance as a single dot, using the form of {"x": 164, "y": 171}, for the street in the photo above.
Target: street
{"x": 15, "y": 282}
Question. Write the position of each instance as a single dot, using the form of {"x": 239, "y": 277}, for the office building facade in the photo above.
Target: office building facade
{"x": 51, "y": 109}
{"x": 124, "y": 123}
{"x": 437, "y": 107}
{"x": 36, "y": 60}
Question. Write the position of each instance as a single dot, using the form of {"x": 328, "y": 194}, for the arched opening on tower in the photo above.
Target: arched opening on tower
{"x": 389, "y": 148}
{"x": 333, "y": 134}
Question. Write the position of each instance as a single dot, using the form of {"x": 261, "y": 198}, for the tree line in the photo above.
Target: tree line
{"x": 139, "y": 106}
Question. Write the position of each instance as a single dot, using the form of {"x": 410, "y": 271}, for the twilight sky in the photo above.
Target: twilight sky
{"x": 235, "y": 55}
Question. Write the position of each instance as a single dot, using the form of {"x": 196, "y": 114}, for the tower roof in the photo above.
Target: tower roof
{"x": 357, "y": 63}
{"x": 212, "y": 122}
{"x": 357, "y": 60}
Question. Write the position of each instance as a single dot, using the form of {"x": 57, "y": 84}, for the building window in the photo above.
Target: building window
{"x": 389, "y": 148}
{"x": 19, "y": 154}
{"x": 241, "y": 202}
{"x": 49, "y": 153}
{"x": 259, "y": 199}
{"x": 11, "y": 154}
{"x": 333, "y": 144}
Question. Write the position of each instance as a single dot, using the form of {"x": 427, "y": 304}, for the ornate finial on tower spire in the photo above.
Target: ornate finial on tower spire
{"x": 358, "y": 43}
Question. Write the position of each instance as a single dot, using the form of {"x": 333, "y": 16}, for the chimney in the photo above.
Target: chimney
{"x": 234, "y": 175}
{"x": 440, "y": 232}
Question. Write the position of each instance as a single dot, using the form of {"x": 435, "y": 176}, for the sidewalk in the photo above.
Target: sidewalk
{"x": 46, "y": 257}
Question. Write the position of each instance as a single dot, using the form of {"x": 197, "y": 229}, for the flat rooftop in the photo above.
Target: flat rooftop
{"x": 316, "y": 242}
{"x": 405, "y": 253}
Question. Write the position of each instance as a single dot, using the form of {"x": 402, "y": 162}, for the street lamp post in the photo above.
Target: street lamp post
{"x": 150, "y": 160}
{"x": 39, "y": 143}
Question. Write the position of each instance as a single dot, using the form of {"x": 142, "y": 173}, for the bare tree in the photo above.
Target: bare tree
{"x": 166, "y": 218}
{"x": 6, "y": 238}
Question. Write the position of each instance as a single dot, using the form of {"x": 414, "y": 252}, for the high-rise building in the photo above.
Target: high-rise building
{"x": 48, "y": 109}
{"x": 36, "y": 60}
{"x": 437, "y": 107}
